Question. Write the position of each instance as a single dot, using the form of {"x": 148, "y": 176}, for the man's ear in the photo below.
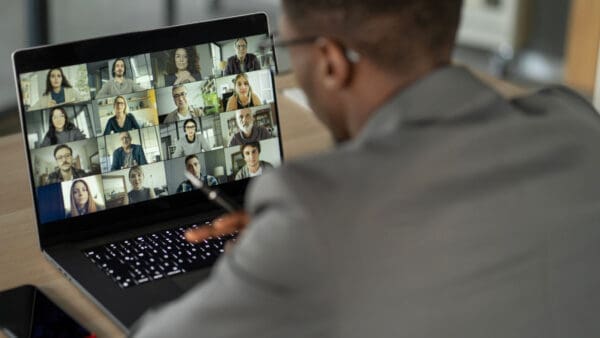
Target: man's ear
{"x": 334, "y": 67}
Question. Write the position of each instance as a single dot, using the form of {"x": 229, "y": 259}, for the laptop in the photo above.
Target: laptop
{"x": 112, "y": 124}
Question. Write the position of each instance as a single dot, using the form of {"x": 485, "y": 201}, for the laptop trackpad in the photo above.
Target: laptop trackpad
{"x": 190, "y": 279}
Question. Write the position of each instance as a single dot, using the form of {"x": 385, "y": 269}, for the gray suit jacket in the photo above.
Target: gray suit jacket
{"x": 455, "y": 213}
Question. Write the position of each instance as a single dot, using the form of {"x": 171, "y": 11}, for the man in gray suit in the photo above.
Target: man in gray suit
{"x": 183, "y": 110}
{"x": 445, "y": 211}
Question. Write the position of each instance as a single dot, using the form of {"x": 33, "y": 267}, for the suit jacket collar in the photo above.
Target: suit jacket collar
{"x": 447, "y": 94}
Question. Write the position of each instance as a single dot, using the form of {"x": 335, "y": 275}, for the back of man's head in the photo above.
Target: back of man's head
{"x": 391, "y": 33}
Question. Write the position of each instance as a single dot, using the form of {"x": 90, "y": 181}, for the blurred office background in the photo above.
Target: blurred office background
{"x": 529, "y": 42}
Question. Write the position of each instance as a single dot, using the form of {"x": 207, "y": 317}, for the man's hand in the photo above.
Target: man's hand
{"x": 227, "y": 225}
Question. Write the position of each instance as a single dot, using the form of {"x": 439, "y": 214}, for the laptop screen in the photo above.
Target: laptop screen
{"x": 107, "y": 135}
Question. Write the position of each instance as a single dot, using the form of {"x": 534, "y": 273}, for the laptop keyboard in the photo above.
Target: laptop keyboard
{"x": 155, "y": 256}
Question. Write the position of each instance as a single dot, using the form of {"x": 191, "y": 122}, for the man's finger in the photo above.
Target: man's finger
{"x": 227, "y": 224}
{"x": 199, "y": 234}
{"x": 231, "y": 222}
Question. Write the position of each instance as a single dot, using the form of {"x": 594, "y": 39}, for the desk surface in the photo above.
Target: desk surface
{"x": 21, "y": 261}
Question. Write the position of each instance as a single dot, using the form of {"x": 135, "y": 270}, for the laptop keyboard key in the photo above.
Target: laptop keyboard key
{"x": 154, "y": 256}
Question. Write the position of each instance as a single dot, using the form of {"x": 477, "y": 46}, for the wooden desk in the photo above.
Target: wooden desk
{"x": 21, "y": 261}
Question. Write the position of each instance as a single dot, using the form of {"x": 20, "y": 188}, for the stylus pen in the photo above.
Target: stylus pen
{"x": 213, "y": 195}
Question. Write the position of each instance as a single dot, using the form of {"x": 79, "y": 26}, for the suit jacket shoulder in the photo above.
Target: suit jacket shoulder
{"x": 171, "y": 117}
{"x": 451, "y": 206}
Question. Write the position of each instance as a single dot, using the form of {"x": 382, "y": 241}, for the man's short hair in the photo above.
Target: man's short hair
{"x": 254, "y": 144}
{"x": 240, "y": 39}
{"x": 189, "y": 157}
{"x": 389, "y": 33}
{"x": 62, "y": 146}
{"x": 124, "y": 66}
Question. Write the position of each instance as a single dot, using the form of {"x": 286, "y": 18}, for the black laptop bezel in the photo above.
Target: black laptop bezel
{"x": 86, "y": 51}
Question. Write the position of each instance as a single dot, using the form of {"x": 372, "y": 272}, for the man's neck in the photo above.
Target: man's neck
{"x": 249, "y": 133}
{"x": 254, "y": 168}
{"x": 183, "y": 110}
{"x": 67, "y": 175}
{"x": 376, "y": 91}
{"x": 119, "y": 79}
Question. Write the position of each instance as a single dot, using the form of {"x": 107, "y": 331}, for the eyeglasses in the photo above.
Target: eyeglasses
{"x": 273, "y": 41}
{"x": 241, "y": 46}
{"x": 62, "y": 157}
{"x": 190, "y": 127}
{"x": 176, "y": 96}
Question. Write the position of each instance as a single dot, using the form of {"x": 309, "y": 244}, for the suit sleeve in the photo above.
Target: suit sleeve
{"x": 116, "y": 160}
{"x": 269, "y": 285}
{"x": 256, "y": 63}
{"x": 142, "y": 156}
{"x": 229, "y": 69}
{"x": 170, "y": 118}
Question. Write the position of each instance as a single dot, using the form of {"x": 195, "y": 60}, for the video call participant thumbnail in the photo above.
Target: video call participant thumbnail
{"x": 122, "y": 120}
{"x": 138, "y": 193}
{"x": 82, "y": 199}
{"x": 183, "y": 110}
{"x": 58, "y": 90}
{"x": 248, "y": 131}
{"x": 65, "y": 170}
{"x": 61, "y": 130}
{"x": 192, "y": 142}
{"x": 242, "y": 61}
{"x": 254, "y": 165}
{"x": 183, "y": 66}
{"x": 243, "y": 96}
{"x": 119, "y": 84}
{"x": 128, "y": 154}
{"x": 193, "y": 166}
